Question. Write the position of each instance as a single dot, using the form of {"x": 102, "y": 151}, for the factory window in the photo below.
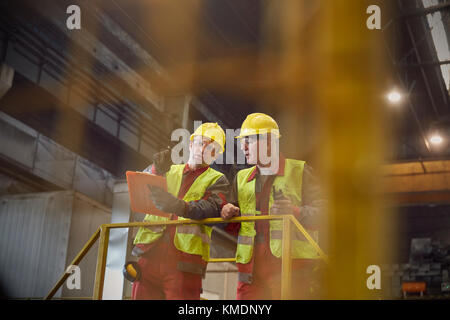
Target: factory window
{"x": 105, "y": 120}
{"x": 438, "y": 33}
{"x": 131, "y": 139}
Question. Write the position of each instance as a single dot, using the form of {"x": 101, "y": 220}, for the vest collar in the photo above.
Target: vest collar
{"x": 280, "y": 172}
{"x": 198, "y": 170}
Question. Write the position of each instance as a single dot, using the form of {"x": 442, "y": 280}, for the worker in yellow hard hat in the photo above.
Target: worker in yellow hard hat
{"x": 207, "y": 142}
{"x": 273, "y": 185}
{"x": 172, "y": 260}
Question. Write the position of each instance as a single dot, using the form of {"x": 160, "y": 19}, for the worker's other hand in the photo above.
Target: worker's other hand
{"x": 162, "y": 161}
{"x": 167, "y": 202}
{"x": 229, "y": 211}
{"x": 280, "y": 207}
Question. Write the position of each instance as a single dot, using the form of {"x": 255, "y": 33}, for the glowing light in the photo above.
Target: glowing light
{"x": 436, "y": 139}
{"x": 394, "y": 96}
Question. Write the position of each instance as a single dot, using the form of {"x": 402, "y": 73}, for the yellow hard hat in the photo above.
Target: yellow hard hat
{"x": 212, "y": 131}
{"x": 259, "y": 123}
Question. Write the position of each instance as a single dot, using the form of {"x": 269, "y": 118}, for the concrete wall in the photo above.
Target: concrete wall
{"x": 220, "y": 282}
{"x": 87, "y": 216}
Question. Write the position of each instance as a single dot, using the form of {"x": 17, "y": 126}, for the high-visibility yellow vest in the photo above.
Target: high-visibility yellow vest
{"x": 189, "y": 238}
{"x": 291, "y": 185}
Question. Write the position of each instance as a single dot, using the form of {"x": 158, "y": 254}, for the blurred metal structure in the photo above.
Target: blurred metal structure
{"x": 46, "y": 165}
{"x": 341, "y": 76}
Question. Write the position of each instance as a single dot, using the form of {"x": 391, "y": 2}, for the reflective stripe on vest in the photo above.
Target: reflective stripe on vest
{"x": 191, "y": 238}
{"x": 195, "y": 230}
{"x": 290, "y": 184}
{"x": 245, "y": 240}
{"x": 156, "y": 229}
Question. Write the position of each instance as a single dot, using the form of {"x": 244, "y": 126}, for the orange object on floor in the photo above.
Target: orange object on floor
{"x": 414, "y": 287}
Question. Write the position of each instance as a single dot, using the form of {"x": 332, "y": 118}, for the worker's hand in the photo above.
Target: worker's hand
{"x": 229, "y": 211}
{"x": 167, "y": 202}
{"x": 280, "y": 207}
{"x": 162, "y": 161}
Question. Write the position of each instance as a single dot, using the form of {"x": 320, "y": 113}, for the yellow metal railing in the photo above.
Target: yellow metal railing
{"x": 103, "y": 233}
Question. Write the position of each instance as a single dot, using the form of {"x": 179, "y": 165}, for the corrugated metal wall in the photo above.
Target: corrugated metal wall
{"x": 40, "y": 234}
{"x": 34, "y": 231}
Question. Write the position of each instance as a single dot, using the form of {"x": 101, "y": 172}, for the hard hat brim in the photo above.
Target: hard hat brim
{"x": 222, "y": 149}
{"x": 252, "y": 132}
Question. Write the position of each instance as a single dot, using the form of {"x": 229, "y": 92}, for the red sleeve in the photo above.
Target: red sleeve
{"x": 297, "y": 213}
{"x": 223, "y": 198}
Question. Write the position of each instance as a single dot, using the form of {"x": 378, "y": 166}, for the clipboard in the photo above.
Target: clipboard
{"x": 140, "y": 200}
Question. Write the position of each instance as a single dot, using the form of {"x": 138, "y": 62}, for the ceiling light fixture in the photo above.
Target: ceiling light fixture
{"x": 394, "y": 96}
{"x": 436, "y": 139}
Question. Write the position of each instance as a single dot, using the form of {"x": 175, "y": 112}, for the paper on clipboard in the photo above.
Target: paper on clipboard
{"x": 140, "y": 200}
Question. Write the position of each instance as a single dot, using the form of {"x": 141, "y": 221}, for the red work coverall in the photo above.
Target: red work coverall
{"x": 264, "y": 266}
{"x": 166, "y": 272}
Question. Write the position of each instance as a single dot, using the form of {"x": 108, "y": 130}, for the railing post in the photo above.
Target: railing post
{"x": 311, "y": 241}
{"x": 75, "y": 262}
{"x": 286, "y": 260}
{"x": 101, "y": 263}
